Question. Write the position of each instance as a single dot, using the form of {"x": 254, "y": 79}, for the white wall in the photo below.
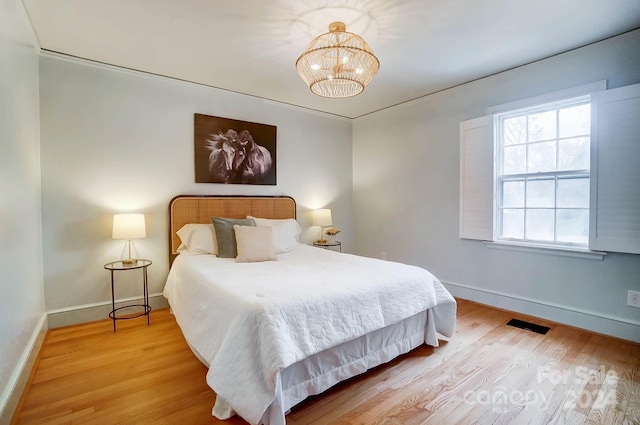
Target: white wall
{"x": 118, "y": 141}
{"x": 21, "y": 300}
{"x": 406, "y": 181}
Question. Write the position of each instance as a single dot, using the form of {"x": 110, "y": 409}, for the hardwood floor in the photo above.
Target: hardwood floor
{"x": 488, "y": 373}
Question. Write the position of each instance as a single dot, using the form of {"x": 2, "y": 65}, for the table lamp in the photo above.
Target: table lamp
{"x": 321, "y": 217}
{"x": 128, "y": 227}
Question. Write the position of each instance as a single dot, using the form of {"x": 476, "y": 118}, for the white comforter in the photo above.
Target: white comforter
{"x": 249, "y": 321}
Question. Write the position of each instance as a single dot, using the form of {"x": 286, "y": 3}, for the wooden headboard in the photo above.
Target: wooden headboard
{"x": 185, "y": 209}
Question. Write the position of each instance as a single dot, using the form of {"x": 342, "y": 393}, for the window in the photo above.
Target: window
{"x": 561, "y": 170}
{"x": 542, "y": 173}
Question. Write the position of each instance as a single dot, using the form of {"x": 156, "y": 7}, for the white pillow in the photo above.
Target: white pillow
{"x": 254, "y": 244}
{"x": 286, "y": 232}
{"x": 197, "y": 238}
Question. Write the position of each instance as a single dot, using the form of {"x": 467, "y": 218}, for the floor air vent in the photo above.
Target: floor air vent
{"x": 539, "y": 329}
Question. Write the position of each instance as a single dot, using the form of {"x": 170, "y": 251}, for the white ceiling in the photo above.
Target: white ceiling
{"x": 250, "y": 46}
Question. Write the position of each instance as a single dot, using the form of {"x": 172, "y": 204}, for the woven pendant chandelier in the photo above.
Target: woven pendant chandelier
{"x": 337, "y": 63}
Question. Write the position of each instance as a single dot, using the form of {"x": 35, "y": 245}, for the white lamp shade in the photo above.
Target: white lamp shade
{"x": 129, "y": 226}
{"x": 322, "y": 217}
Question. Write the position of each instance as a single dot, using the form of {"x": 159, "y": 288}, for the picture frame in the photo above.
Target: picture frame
{"x": 230, "y": 151}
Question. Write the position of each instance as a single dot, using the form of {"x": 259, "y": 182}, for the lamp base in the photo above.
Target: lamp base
{"x": 130, "y": 261}
{"x": 321, "y": 241}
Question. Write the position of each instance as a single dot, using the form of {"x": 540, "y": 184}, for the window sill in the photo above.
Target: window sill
{"x": 547, "y": 249}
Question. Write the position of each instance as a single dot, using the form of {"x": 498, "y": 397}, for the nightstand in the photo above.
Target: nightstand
{"x": 119, "y": 266}
{"x": 327, "y": 245}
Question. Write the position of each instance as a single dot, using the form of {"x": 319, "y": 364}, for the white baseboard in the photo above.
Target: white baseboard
{"x": 607, "y": 325}
{"x": 97, "y": 311}
{"x": 14, "y": 388}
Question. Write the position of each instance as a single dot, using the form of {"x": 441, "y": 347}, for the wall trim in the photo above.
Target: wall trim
{"x": 595, "y": 322}
{"x": 146, "y": 74}
{"x": 97, "y": 311}
{"x": 10, "y": 397}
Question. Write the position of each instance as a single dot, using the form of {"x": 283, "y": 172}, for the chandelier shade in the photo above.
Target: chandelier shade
{"x": 338, "y": 63}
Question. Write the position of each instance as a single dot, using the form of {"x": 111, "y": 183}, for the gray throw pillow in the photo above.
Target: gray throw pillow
{"x": 227, "y": 247}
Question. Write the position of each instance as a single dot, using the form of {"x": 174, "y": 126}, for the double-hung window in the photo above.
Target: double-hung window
{"x": 559, "y": 171}
{"x": 542, "y": 173}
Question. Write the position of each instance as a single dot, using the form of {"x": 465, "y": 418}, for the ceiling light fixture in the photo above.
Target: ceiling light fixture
{"x": 337, "y": 63}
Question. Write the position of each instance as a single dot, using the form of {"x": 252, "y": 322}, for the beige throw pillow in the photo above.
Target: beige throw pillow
{"x": 254, "y": 244}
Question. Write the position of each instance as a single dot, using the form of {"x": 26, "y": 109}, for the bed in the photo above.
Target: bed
{"x": 272, "y": 333}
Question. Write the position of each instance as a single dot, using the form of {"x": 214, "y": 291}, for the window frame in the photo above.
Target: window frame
{"x": 477, "y": 181}
{"x": 560, "y": 102}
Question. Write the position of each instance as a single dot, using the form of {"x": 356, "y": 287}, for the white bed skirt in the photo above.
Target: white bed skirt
{"x": 321, "y": 371}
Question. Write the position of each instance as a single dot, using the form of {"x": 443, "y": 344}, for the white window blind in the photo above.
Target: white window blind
{"x": 615, "y": 170}
{"x": 476, "y": 179}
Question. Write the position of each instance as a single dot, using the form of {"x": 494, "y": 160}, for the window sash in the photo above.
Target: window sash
{"x": 526, "y": 112}
{"x": 526, "y": 208}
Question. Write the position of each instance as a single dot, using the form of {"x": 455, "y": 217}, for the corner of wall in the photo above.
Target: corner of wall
{"x": 12, "y": 395}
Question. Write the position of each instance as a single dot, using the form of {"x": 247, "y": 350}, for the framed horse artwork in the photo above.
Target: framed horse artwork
{"x": 231, "y": 151}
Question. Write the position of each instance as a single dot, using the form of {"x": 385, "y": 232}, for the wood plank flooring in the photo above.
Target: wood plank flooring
{"x": 488, "y": 373}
